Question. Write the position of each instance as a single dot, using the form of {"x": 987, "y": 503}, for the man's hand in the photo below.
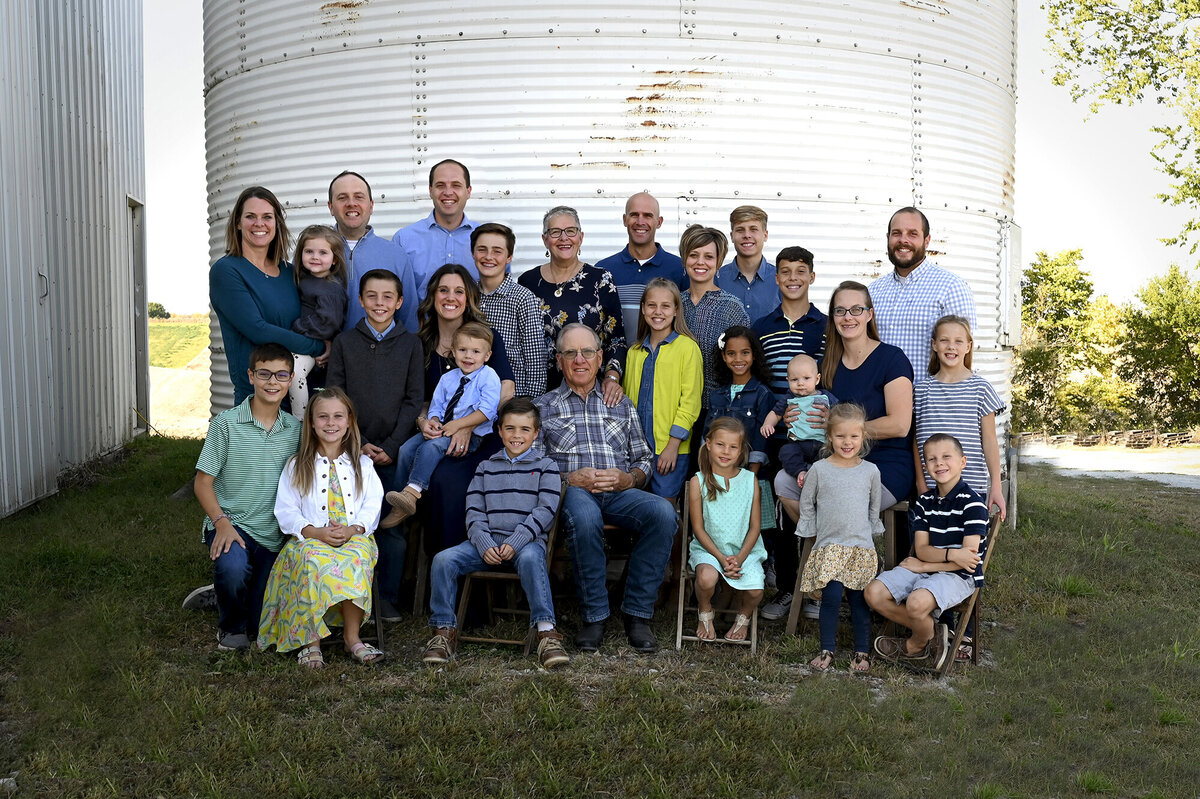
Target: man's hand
{"x": 612, "y": 389}
{"x": 377, "y": 456}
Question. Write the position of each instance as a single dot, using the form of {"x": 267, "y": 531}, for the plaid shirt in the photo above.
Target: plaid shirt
{"x": 578, "y": 433}
{"x": 906, "y": 308}
{"x": 517, "y": 316}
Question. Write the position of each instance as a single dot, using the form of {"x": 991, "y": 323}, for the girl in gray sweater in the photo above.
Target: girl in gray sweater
{"x": 839, "y": 508}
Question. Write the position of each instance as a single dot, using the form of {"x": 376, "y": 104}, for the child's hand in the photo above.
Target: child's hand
{"x": 996, "y": 497}
{"x": 965, "y": 558}
{"x": 226, "y": 536}
{"x": 506, "y": 552}
{"x": 432, "y": 429}
{"x": 492, "y": 557}
{"x": 913, "y": 564}
{"x": 767, "y": 430}
{"x": 668, "y": 457}
{"x": 800, "y": 479}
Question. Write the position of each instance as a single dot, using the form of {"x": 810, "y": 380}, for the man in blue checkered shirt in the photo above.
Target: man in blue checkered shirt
{"x": 912, "y": 297}
{"x": 606, "y": 463}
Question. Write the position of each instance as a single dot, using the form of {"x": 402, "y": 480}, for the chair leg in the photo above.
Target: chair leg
{"x": 462, "y": 602}
{"x": 422, "y": 578}
{"x": 959, "y": 633}
{"x": 797, "y": 603}
{"x": 378, "y": 617}
{"x": 754, "y": 632}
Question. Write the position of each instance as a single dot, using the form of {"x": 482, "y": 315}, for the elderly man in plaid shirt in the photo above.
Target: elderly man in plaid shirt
{"x": 911, "y": 298}
{"x": 606, "y": 462}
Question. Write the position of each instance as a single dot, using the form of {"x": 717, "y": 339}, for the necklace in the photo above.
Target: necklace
{"x": 558, "y": 292}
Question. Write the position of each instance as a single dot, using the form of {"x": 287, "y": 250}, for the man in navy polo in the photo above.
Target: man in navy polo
{"x": 351, "y": 205}
{"x": 642, "y": 259}
{"x": 795, "y": 326}
{"x": 443, "y": 237}
{"x": 749, "y": 276}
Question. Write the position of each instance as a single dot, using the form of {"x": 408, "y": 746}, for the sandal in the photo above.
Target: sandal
{"x": 310, "y": 656}
{"x": 738, "y": 631}
{"x": 861, "y": 662}
{"x": 365, "y": 653}
{"x": 823, "y": 661}
{"x": 706, "y": 626}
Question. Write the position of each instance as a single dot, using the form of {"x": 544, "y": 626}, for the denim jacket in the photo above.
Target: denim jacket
{"x": 750, "y": 407}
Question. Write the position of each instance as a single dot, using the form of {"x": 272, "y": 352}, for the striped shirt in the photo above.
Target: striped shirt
{"x": 783, "y": 339}
{"x": 516, "y": 315}
{"x": 245, "y": 460}
{"x": 957, "y": 409}
{"x": 950, "y": 519}
{"x": 579, "y": 433}
{"x": 906, "y": 308}
{"x": 717, "y": 312}
{"x": 512, "y": 501}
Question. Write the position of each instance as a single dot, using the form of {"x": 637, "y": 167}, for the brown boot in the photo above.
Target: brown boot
{"x": 550, "y": 651}
{"x": 441, "y": 646}
{"x": 404, "y": 504}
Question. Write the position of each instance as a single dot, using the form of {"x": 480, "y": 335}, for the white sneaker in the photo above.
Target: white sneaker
{"x": 778, "y": 607}
{"x": 202, "y": 598}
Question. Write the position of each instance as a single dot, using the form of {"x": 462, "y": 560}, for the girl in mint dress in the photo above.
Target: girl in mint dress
{"x": 724, "y": 508}
{"x": 329, "y": 501}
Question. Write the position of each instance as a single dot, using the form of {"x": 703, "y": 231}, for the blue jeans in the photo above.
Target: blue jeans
{"x": 653, "y": 518}
{"x": 452, "y": 563}
{"x": 860, "y": 616}
{"x": 419, "y": 456}
{"x": 239, "y": 581}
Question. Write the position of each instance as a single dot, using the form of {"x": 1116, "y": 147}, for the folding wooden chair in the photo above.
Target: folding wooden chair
{"x": 510, "y": 579}
{"x": 686, "y": 580}
{"x": 968, "y": 609}
{"x": 337, "y": 635}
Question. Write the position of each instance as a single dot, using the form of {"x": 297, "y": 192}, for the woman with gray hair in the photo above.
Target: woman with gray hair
{"x": 570, "y": 290}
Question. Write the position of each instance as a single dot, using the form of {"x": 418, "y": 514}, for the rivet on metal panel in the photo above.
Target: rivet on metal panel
{"x": 418, "y": 36}
{"x": 778, "y": 194}
{"x": 735, "y": 193}
{"x": 643, "y": 30}
{"x": 552, "y": 191}
{"x": 597, "y": 30}
{"x": 504, "y": 32}
{"x": 551, "y": 30}
{"x": 818, "y": 41}
{"x": 460, "y": 33}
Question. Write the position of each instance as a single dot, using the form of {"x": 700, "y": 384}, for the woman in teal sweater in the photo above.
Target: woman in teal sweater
{"x": 664, "y": 376}
{"x": 252, "y": 289}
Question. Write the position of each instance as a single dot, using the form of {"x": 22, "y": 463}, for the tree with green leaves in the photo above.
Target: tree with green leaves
{"x": 1162, "y": 349}
{"x": 156, "y": 310}
{"x": 1125, "y": 52}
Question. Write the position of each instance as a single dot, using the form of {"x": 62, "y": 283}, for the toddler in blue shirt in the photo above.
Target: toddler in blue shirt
{"x": 461, "y": 413}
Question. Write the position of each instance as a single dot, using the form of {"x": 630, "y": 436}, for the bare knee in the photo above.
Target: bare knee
{"x": 706, "y": 577}
{"x": 921, "y": 603}
{"x": 876, "y": 594}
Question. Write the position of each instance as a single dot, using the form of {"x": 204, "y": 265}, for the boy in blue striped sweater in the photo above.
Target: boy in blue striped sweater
{"x": 510, "y": 507}
{"x": 949, "y": 526}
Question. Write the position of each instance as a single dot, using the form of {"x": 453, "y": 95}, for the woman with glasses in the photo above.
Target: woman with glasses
{"x": 570, "y": 290}
{"x": 860, "y": 368}
{"x": 252, "y": 289}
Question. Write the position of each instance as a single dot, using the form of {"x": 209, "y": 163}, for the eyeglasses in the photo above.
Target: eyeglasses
{"x": 265, "y": 375}
{"x": 559, "y": 232}
{"x": 856, "y": 310}
{"x": 587, "y": 353}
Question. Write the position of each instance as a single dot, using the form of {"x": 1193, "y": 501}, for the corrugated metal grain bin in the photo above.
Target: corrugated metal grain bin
{"x": 73, "y": 340}
{"x": 829, "y": 115}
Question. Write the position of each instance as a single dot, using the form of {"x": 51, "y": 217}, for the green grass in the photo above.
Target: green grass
{"x": 1088, "y": 686}
{"x": 173, "y": 343}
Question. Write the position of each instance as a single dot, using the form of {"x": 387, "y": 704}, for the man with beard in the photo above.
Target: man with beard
{"x": 912, "y": 297}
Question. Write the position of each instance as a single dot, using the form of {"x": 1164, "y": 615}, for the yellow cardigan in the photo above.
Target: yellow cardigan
{"x": 678, "y": 384}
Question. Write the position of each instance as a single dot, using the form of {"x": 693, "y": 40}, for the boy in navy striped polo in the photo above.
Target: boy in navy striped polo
{"x": 510, "y": 508}
{"x": 949, "y": 528}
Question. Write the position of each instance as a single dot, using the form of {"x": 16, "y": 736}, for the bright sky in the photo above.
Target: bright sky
{"x": 1081, "y": 181}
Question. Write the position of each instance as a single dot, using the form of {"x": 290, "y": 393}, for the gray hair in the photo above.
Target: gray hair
{"x": 559, "y": 210}
{"x": 574, "y": 326}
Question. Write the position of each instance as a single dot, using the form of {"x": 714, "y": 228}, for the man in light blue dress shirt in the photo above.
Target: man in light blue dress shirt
{"x": 443, "y": 237}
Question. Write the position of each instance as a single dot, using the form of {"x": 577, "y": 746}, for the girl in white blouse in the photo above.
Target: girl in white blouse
{"x": 329, "y": 500}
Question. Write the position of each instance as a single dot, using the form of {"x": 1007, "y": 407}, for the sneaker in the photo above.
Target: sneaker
{"x": 232, "y": 642}
{"x": 202, "y": 598}
{"x": 939, "y": 646}
{"x": 777, "y": 608}
{"x": 550, "y": 650}
{"x": 769, "y": 575}
{"x": 811, "y": 609}
{"x": 895, "y": 649}
{"x": 441, "y": 646}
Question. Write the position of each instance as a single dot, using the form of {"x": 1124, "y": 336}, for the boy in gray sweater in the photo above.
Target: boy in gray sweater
{"x": 510, "y": 507}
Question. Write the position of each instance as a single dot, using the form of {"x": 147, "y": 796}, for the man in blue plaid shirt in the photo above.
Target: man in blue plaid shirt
{"x": 606, "y": 462}
{"x": 917, "y": 293}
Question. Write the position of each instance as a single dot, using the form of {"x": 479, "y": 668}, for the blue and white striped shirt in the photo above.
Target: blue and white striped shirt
{"x": 950, "y": 519}
{"x": 906, "y": 308}
{"x": 512, "y": 501}
{"x": 956, "y": 409}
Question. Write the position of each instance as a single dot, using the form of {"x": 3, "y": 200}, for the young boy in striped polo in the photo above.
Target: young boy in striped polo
{"x": 237, "y": 476}
{"x": 510, "y": 507}
{"x": 949, "y": 527}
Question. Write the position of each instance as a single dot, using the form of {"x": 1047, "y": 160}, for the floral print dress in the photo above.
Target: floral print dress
{"x": 589, "y": 298}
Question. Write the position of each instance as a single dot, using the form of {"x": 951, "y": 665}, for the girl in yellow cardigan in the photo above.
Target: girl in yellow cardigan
{"x": 665, "y": 379}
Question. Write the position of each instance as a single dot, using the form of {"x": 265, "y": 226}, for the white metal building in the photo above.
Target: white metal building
{"x": 827, "y": 114}
{"x": 73, "y": 331}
